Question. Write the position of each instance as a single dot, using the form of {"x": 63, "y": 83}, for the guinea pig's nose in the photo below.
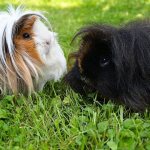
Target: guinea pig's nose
{"x": 47, "y": 42}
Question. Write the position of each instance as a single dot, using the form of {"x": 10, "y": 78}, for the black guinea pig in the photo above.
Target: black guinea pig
{"x": 115, "y": 62}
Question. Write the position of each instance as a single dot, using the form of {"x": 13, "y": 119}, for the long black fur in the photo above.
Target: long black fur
{"x": 115, "y": 62}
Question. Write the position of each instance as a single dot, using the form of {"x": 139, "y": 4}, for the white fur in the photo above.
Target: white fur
{"x": 50, "y": 52}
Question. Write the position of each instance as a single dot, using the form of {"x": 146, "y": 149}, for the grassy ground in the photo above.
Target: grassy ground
{"x": 58, "y": 118}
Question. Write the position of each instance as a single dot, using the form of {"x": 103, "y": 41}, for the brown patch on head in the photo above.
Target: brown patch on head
{"x": 23, "y": 40}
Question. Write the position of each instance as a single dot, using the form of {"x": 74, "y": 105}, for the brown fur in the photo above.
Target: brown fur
{"x": 71, "y": 57}
{"x": 11, "y": 75}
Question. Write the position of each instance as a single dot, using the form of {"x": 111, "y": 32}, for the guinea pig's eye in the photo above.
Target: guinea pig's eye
{"x": 26, "y": 35}
{"x": 104, "y": 61}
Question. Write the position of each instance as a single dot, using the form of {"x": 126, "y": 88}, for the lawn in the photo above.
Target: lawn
{"x": 58, "y": 118}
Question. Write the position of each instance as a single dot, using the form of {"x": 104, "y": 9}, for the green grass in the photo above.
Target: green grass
{"x": 58, "y": 118}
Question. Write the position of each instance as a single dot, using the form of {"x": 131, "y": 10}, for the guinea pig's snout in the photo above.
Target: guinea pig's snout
{"x": 47, "y": 43}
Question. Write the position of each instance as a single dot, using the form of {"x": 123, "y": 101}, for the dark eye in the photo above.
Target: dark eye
{"x": 26, "y": 35}
{"x": 104, "y": 61}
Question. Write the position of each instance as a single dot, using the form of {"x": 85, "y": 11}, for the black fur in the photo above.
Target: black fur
{"x": 115, "y": 62}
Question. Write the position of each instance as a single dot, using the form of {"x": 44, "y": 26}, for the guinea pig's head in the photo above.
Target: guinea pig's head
{"x": 94, "y": 68}
{"x": 30, "y": 54}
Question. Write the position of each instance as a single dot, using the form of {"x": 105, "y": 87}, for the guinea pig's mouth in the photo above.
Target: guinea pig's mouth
{"x": 47, "y": 49}
{"x": 88, "y": 82}
{"x": 93, "y": 88}
{"x": 85, "y": 80}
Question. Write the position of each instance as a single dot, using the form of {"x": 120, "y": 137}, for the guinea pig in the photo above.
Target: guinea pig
{"x": 114, "y": 62}
{"x": 29, "y": 52}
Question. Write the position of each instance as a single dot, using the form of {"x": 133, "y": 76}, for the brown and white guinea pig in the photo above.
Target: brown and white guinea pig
{"x": 29, "y": 52}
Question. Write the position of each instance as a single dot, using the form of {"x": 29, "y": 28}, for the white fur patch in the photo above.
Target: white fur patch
{"x": 50, "y": 52}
